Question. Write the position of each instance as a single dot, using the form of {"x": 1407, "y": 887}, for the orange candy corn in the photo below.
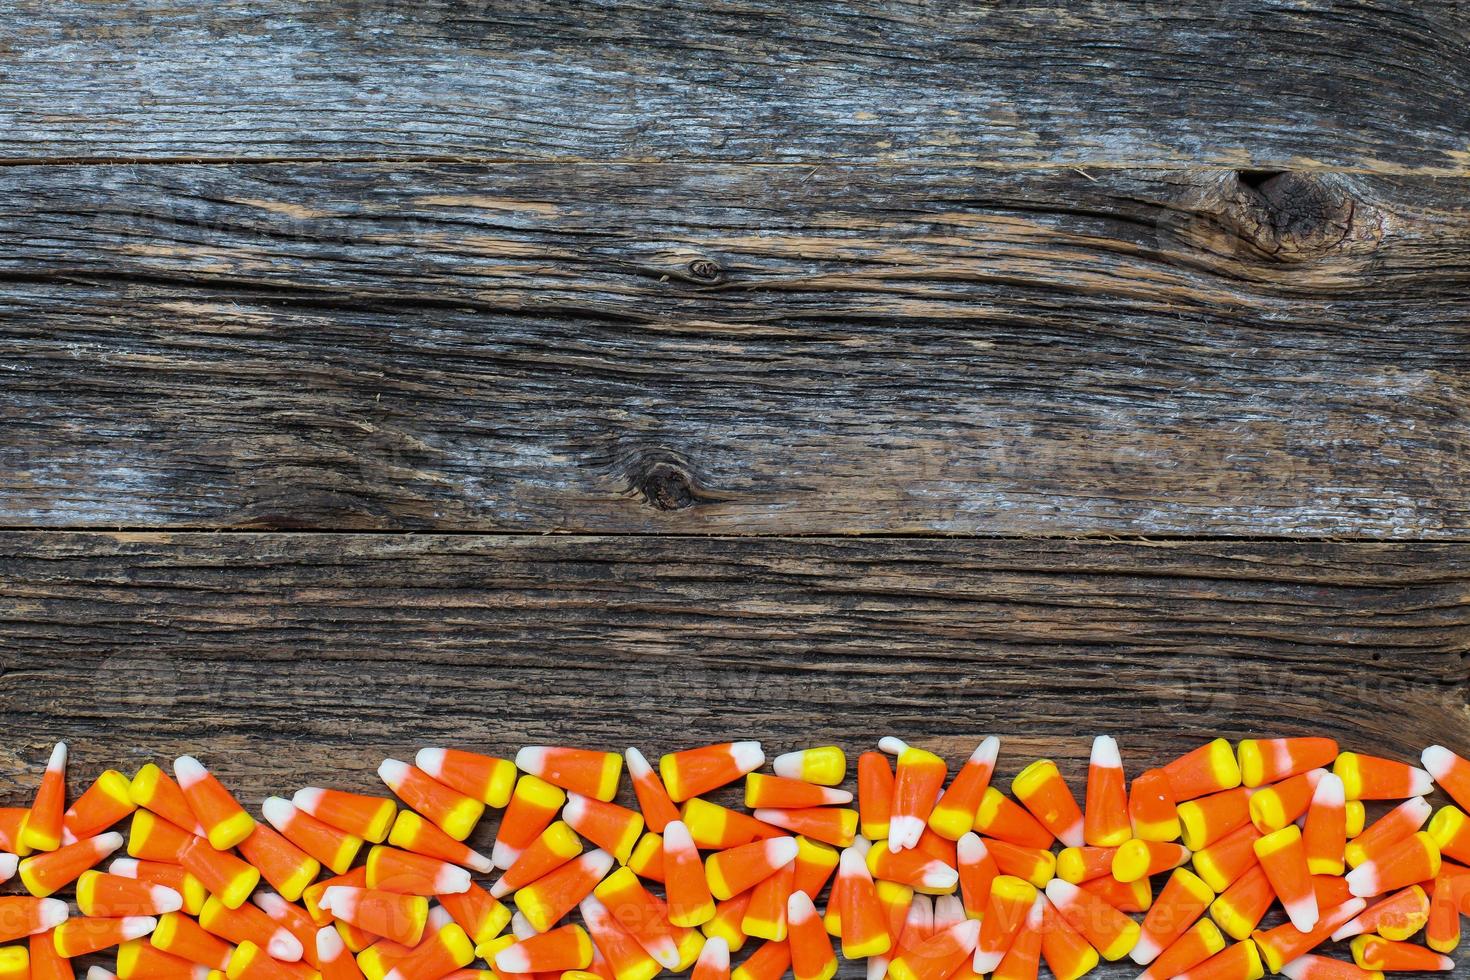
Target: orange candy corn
{"x": 80, "y": 936}
{"x": 114, "y": 896}
{"x": 42, "y": 829}
{"x": 222, "y": 874}
{"x": 815, "y": 863}
{"x": 333, "y": 959}
{"x": 1388, "y": 830}
{"x": 864, "y": 925}
{"x": 1067, "y": 953}
{"x": 1284, "y": 860}
{"x": 653, "y": 799}
{"x": 1273, "y": 807}
{"x": 1033, "y": 864}
{"x": 152, "y": 838}
{"x": 769, "y": 962}
{"x": 137, "y": 960}
{"x": 1151, "y": 809}
{"x": 1239, "y": 962}
{"x": 45, "y": 962}
{"x": 625, "y": 957}
{"x": 1023, "y": 959}
{"x": 1450, "y": 829}
{"x": 390, "y": 869}
{"x": 1228, "y": 858}
{"x": 581, "y": 771}
{"x": 104, "y": 803}
{"x": 1285, "y": 943}
{"x": 1110, "y": 932}
{"x": 1270, "y": 760}
{"x": 913, "y": 868}
{"x": 638, "y": 912}
{"x": 613, "y": 828}
{"x": 776, "y": 792}
{"x": 1368, "y": 777}
{"x": 1442, "y": 925}
{"x": 1125, "y": 896}
{"x": 1396, "y": 917}
{"x": 1135, "y": 860}
{"x": 412, "y": 832}
{"x": 1000, "y": 818}
{"x": 716, "y": 828}
{"x": 1182, "y": 901}
{"x": 714, "y": 961}
{"x": 831, "y": 825}
{"x": 689, "y": 900}
{"x": 392, "y": 915}
{"x": 22, "y": 915}
{"x": 1313, "y": 967}
{"x": 1412, "y": 860}
{"x": 478, "y": 913}
{"x": 733, "y": 871}
{"x": 875, "y": 795}
{"x": 368, "y": 817}
{"x": 1079, "y": 864}
{"x": 1006, "y": 913}
{"x": 1199, "y": 943}
{"x": 765, "y": 916}
{"x": 480, "y": 777}
{"x": 1373, "y": 953}
{"x": 1209, "y": 818}
{"x": 1242, "y": 906}
{"x": 977, "y": 870}
{"x": 12, "y": 829}
{"x": 695, "y": 772}
{"x": 449, "y": 949}
{"x": 546, "y": 900}
{"x": 533, "y": 806}
{"x": 825, "y": 765}
{"x": 918, "y": 778}
{"x": 1105, "y": 820}
{"x": 1042, "y": 790}
{"x": 564, "y": 948}
{"x": 1450, "y": 771}
{"x": 171, "y": 876}
{"x": 250, "y": 962}
{"x": 224, "y": 821}
{"x": 450, "y": 810}
{"x": 186, "y": 939}
{"x": 557, "y": 845}
{"x": 249, "y": 924}
{"x": 1208, "y": 769}
{"x": 334, "y": 848}
{"x": 812, "y": 957}
{"x": 1324, "y": 834}
{"x": 45, "y": 873}
{"x": 953, "y": 815}
{"x": 155, "y": 790}
{"x": 287, "y": 867}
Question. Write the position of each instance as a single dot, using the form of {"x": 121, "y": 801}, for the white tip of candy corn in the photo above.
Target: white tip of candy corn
{"x": 284, "y": 946}
{"x": 53, "y": 912}
{"x": 393, "y": 772}
{"x": 57, "y": 762}
{"x": 714, "y": 956}
{"x": 308, "y": 798}
{"x": 124, "y": 867}
{"x": 8, "y": 864}
{"x": 137, "y": 926}
{"x": 329, "y": 944}
{"x": 1421, "y": 783}
{"x": 430, "y": 761}
{"x": 1105, "y": 753}
{"x": 532, "y": 759}
{"x": 1437, "y": 760}
{"x": 277, "y": 812}
{"x": 638, "y": 767}
{"x": 748, "y": 756}
{"x": 100, "y": 973}
{"x": 188, "y": 770}
{"x": 165, "y": 899}
{"x": 987, "y": 751}
{"x": 892, "y": 744}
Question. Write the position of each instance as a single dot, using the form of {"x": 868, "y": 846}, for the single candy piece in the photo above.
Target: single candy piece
{"x": 1450, "y": 771}
{"x": 832, "y": 825}
{"x": 716, "y": 828}
{"x": 1374, "y": 953}
{"x": 1242, "y": 906}
{"x": 1450, "y": 829}
{"x": 42, "y": 831}
{"x": 104, "y": 803}
{"x": 613, "y": 828}
{"x": 79, "y": 936}
{"x": 1135, "y": 859}
{"x": 638, "y": 911}
{"x": 917, "y": 781}
{"x": 1410, "y": 861}
{"x": 1023, "y": 959}
{"x": 1042, "y": 790}
{"x": 1396, "y": 917}
{"x": 391, "y": 869}
{"x": 1182, "y": 901}
{"x": 953, "y": 815}
{"x": 48, "y": 872}
{"x": 765, "y": 916}
{"x": 653, "y": 799}
{"x": 1368, "y": 777}
{"x": 1285, "y": 943}
{"x": 977, "y": 871}
{"x": 1395, "y": 825}
{"x": 1111, "y": 932}
{"x": 287, "y": 867}
{"x": 695, "y": 772}
{"x": 1199, "y": 943}
{"x": 1033, "y": 864}
{"x": 1079, "y": 864}
{"x": 1270, "y": 760}
{"x": 392, "y": 915}
{"x": 769, "y": 962}
{"x": 1314, "y": 967}
{"x": 1208, "y": 769}
{"x": 812, "y": 957}
{"x": 713, "y": 962}
{"x": 733, "y": 871}
{"x": 815, "y": 863}
{"x": 250, "y": 962}
{"x": 450, "y": 810}
{"x": 1011, "y": 900}
{"x": 1151, "y": 808}
{"x": 46, "y": 962}
{"x": 825, "y": 765}
{"x": 114, "y": 896}
{"x": 864, "y": 924}
{"x": 1209, "y": 818}
{"x": 449, "y": 949}
{"x": 1066, "y": 951}
{"x": 1105, "y": 819}
{"x": 152, "y": 838}
{"x": 224, "y": 821}
{"x": 333, "y": 959}
{"x": 546, "y": 900}
{"x": 875, "y": 795}
{"x": 172, "y": 876}
{"x": 412, "y": 832}
{"x": 685, "y": 885}
{"x": 249, "y": 924}
{"x": 481, "y": 777}
{"x": 583, "y": 771}
{"x": 564, "y": 948}
{"x": 556, "y": 845}
{"x": 186, "y": 939}
{"x": 1442, "y": 925}
{"x": 1000, "y": 818}
{"x": 1228, "y": 858}
{"x": 913, "y": 868}
{"x": 778, "y": 792}
{"x": 1239, "y": 962}
{"x": 1284, "y": 860}
{"x": 137, "y": 960}
{"x": 223, "y": 874}
{"x": 155, "y": 791}
{"x": 334, "y": 848}
{"x": 1273, "y": 807}
{"x": 1324, "y": 833}
{"x": 478, "y": 913}
{"x": 533, "y": 806}
{"x": 368, "y": 817}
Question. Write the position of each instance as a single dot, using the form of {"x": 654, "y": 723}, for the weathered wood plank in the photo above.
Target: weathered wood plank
{"x": 734, "y": 349}
{"x": 1302, "y": 83}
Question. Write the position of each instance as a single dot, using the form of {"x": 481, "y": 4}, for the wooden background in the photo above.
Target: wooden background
{"x": 381, "y": 373}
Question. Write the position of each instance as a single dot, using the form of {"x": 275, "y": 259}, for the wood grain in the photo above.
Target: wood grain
{"x": 1266, "y": 83}
{"x": 741, "y": 350}
{"x": 296, "y": 659}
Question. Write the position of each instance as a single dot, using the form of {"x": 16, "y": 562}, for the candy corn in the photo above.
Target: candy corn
{"x": 556, "y": 845}
{"x": 478, "y": 913}
{"x": 1286, "y": 942}
{"x": 224, "y": 821}
{"x": 815, "y": 863}
{"x": 769, "y": 962}
{"x": 715, "y": 827}
{"x": 695, "y": 772}
{"x": 1228, "y": 858}
{"x": 1209, "y": 818}
{"x": 913, "y": 868}
{"x": 43, "y": 827}
{"x": 825, "y": 765}
{"x": 1079, "y": 864}
{"x": 1042, "y": 790}
{"x": 733, "y": 871}
{"x": 1450, "y": 771}
{"x": 1032, "y": 864}
{"x": 689, "y": 899}
{"x": 1109, "y": 931}
{"x": 581, "y": 771}
{"x": 334, "y": 848}
{"x": 637, "y": 911}
{"x": 1271, "y": 760}
{"x": 533, "y": 805}
{"x": 412, "y": 832}
{"x": 647, "y": 859}
{"x": 368, "y": 817}
{"x": 43, "y": 874}
{"x": 1239, "y": 962}
{"x": 137, "y": 960}
{"x": 613, "y": 828}
{"x": 1208, "y": 769}
{"x": 288, "y": 868}
{"x": 1000, "y": 818}
{"x": 765, "y": 916}
{"x": 1067, "y": 953}
{"x": 1314, "y": 967}
{"x": 223, "y": 874}
{"x": 917, "y": 781}
{"x": 864, "y": 926}
{"x": 80, "y": 936}
{"x": 395, "y": 916}
{"x": 953, "y": 815}
{"x": 46, "y": 963}
{"x": 976, "y": 871}
{"x": 875, "y": 796}
{"x": 565, "y": 948}
{"x": 15, "y": 963}
{"x": 1138, "y": 859}
{"x": 250, "y": 962}
{"x": 104, "y": 803}
{"x": 1284, "y": 860}
{"x": 1396, "y": 917}
{"x": 1105, "y": 820}
{"x": 1199, "y": 943}
{"x": 653, "y": 798}
{"x": 249, "y": 924}
{"x": 481, "y": 777}
{"x": 1024, "y": 957}
{"x": 172, "y": 876}
{"x": 768, "y": 792}
{"x": 1242, "y": 906}
{"x": 1442, "y": 925}
{"x": 1395, "y": 825}
{"x": 812, "y": 957}
{"x": 333, "y": 958}
{"x": 1374, "y": 953}
{"x": 831, "y": 825}
{"x": 939, "y": 954}
{"x": 113, "y": 896}
{"x": 546, "y": 900}
{"x": 1412, "y": 860}
{"x": 181, "y": 936}
{"x": 1183, "y": 900}
{"x": 1324, "y": 834}
{"x": 1006, "y": 912}
{"x": 1367, "y": 777}
{"x": 394, "y": 870}
{"x": 1273, "y": 807}
{"x": 450, "y": 810}
{"x": 1450, "y": 829}
{"x": 1151, "y": 808}
{"x": 625, "y": 957}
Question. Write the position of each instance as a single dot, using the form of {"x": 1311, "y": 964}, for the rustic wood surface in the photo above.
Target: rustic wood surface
{"x": 1288, "y": 83}
{"x": 736, "y": 350}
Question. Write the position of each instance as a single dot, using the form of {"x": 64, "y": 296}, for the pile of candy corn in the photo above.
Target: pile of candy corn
{"x": 1177, "y": 871}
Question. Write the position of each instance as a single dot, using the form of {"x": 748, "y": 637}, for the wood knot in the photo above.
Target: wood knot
{"x": 665, "y": 481}
{"x": 706, "y": 271}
